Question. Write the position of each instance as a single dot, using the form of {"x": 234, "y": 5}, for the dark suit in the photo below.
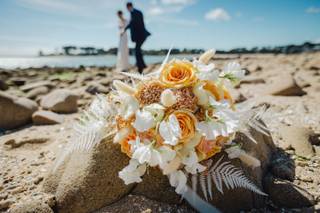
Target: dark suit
{"x": 138, "y": 34}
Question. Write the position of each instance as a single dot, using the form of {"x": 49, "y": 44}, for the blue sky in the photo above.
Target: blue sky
{"x": 29, "y": 25}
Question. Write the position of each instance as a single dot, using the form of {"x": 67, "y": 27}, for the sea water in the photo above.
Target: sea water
{"x": 74, "y": 61}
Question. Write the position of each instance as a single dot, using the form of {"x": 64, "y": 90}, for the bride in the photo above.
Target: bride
{"x": 123, "y": 50}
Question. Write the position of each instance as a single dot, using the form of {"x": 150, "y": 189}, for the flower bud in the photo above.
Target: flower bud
{"x": 123, "y": 87}
{"x": 168, "y": 98}
{"x": 206, "y": 56}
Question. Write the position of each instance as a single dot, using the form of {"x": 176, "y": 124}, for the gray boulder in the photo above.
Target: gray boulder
{"x": 15, "y": 111}
{"x": 61, "y": 101}
{"x": 286, "y": 194}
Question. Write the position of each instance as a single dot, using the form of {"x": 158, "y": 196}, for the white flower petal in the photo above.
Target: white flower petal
{"x": 201, "y": 94}
{"x": 191, "y": 163}
{"x": 167, "y": 154}
{"x": 167, "y": 98}
{"x": 233, "y": 72}
{"x": 156, "y": 110}
{"x": 171, "y": 166}
{"x": 133, "y": 172}
{"x": 142, "y": 154}
{"x": 178, "y": 180}
{"x": 129, "y": 105}
{"x": 206, "y": 56}
{"x": 174, "y": 126}
{"x": 121, "y": 135}
{"x": 170, "y": 130}
{"x": 144, "y": 121}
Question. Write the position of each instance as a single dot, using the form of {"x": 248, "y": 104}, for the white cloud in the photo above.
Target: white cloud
{"x": 217, "y": 14}
{"x": 160, "y": 7}
{"x": 313, "y": 10}
{"x": 155, "y": 11}
{"x": 178, "y": 2}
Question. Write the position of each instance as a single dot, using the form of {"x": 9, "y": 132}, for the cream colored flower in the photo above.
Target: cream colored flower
{"x": 168, "y": 98}
{"x": 191, "y": 163}
{"x": 201, "y": 94}
{"x": 170, "y": 130}
{"x": 206, "y": 56}
{"x": 128, "y": 107}
{"x": 147, "y": 153}
{"x": 133, "y": 172}
{"x": 233, "y": 72}
{"x": 178, "y": 180}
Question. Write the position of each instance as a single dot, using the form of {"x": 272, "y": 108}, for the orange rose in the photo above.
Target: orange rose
{"x": 208, "y": 148}
{"x": 177, "y": 74}
{"x": 187, "y": 123}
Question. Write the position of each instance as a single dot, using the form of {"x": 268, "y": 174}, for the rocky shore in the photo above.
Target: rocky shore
{"x": 39, "y": 106}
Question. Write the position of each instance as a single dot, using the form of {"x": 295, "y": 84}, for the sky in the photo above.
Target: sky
{"x": 26, "y": 26}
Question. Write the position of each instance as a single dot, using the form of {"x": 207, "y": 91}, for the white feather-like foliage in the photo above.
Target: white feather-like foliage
{"x": 251, "y": 119}
{"x": 94, "y": 125}
{"x": 223, "y": 174}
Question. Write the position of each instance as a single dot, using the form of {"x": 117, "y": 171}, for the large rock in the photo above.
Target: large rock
{"x": 3, "y": 85}
{"x": 297, "y": 138}
{"x": 34, "y": 206}
{"x": 37, "y": 84}
{"x": 15, "y": 112}
{"x": 94, "y": 176}
{"x": 89, "y": 181}
{"x": 43, "y": 117}
{"x": 286, "y": 194}
{"x": 61, "y": 101}
{"x": 37, "y": 91}
{"x": 285, "y": 85}
{"x": 95, "y": 88}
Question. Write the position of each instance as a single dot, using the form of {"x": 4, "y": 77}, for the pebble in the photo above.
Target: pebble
{"x": 3, "y": 196}
{"x": 38, "y": 180}
{"x": 18, "y": 190}
{"x": 5, "y": 204}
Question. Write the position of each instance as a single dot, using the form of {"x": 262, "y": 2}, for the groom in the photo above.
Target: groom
{"x": 138, "y": 34}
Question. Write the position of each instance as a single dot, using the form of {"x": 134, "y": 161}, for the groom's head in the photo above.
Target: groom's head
{"x": 130, "y": 6}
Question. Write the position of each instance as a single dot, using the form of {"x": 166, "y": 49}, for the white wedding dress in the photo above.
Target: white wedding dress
{"x": 123, "y": 50}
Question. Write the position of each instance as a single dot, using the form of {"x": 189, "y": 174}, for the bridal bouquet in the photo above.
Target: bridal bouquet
{"x": 176, "y": 119}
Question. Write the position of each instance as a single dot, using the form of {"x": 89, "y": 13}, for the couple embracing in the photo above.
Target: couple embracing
{"x": 138, "y": 34}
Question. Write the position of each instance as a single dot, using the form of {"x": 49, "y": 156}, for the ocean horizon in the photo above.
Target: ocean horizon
{"x": 15, "y": 62}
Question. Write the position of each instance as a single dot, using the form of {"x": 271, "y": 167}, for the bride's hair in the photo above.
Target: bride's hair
{"x": 120, "y": 14}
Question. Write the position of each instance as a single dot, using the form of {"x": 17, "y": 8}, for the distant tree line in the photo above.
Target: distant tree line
{"x": 287, "y": 49}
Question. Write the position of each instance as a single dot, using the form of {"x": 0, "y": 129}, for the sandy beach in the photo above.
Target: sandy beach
{"x": 288, "y": 84}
